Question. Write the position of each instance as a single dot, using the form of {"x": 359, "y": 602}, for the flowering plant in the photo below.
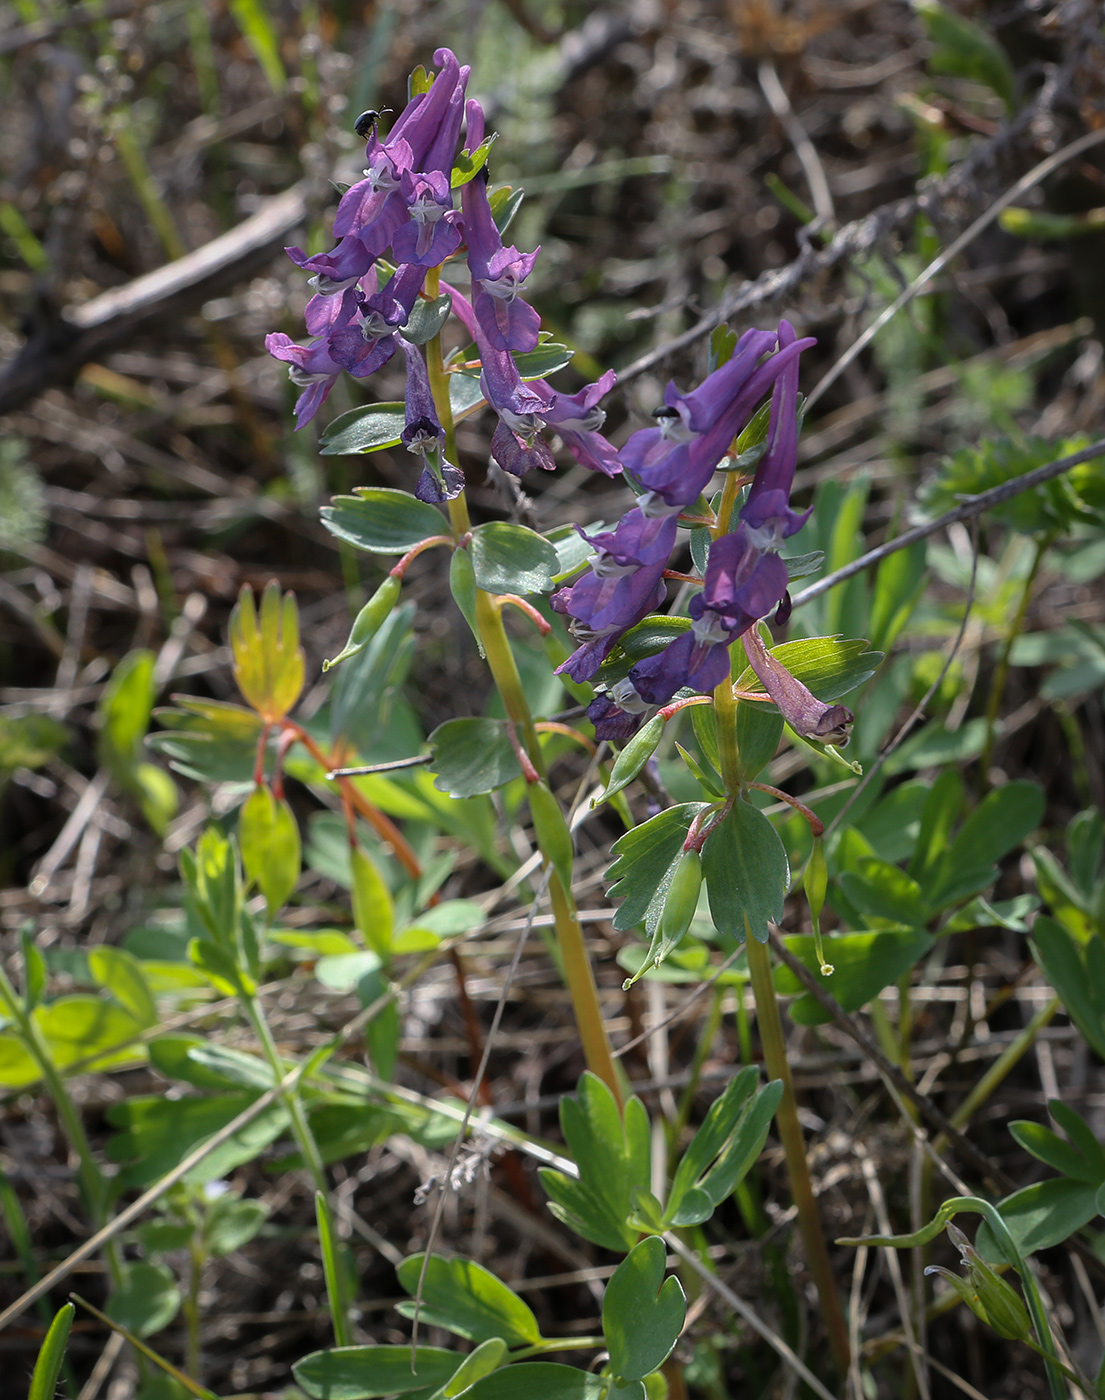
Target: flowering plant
{"x": 421, "y": 238}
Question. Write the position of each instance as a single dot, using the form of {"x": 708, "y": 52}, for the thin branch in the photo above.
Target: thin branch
{"x": 972, "y": 506}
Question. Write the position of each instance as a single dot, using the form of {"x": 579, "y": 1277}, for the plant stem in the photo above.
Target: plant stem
{"x": 190, "y": 1306}
{"x": 1001, "y": 671}
{"x": 775, "y": 1056}
{"x": 790, "y": 1130}
{"x": 93, "y": 1182}
{"x": 301, "y": 1129}
{"x": 578, "y": 972}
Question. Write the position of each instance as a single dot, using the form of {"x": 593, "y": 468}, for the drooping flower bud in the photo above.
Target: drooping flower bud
{"x": 809, "y": 717}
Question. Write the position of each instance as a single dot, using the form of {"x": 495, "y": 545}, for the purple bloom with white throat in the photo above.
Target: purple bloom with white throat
{"x": 498, "y": 274}
{"x": 433, "y": 231}
{"x": 312, "y": 367}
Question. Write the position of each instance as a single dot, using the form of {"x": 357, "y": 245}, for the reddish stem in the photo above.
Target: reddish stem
{"x": 704, "y": 823}
{"x": 682, "y": 578}
{"x": 383, "y": 826}
{"x": 530, "y": 611}
{"x": 552, "y": 726}
{"x": 525, "y": 763}
{"x": 259, "y": 759}
{"x": 817, "y": 826}
{"x": 669, "y": 710}
{"x": 282, "y": 747}
{"x": 431, "y": 540}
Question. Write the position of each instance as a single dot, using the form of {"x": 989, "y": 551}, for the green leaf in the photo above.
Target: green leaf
{"x": 1067, "y": 968}
{"x": 206, "y": 1065}
{"x": 646, "y": 639}
{"x": 642, "y": 1313}
{"x": 34, "y": 970}
{"x": 471, "y": 756}
{"x": 467, "y": 1299}
{"x": 121, "y": 974}
{"x": 1041, "y": 1216}
{"x": 1001, "y": 821}
{"x": 511, "y": 559}
{"x": 163, "y": 1236}
{"x": 51, "y": 1355}
{"x": 723, "y": 1149}
{"x": 253, "y": 20}
{"x": 124, "y": 711}
{"x": 232, "y": 1223}
{"x": 468, "y": 164}
{"x": 158, "y": 1133}
{"x": 613, "y": 1156}
{"x": 366, "y": 429}
{"x": 545, "y": 360}
{"x": 829, "y": 666}
{"x": 965, "y": 50}
{"x": 1050, "y": 1148}
{"x": 758, "y": 733}
{"x": 373, "y": 908}
{"x": 382, "y": 520}
{"x": 882, "y": 891}
{"x": 539, "y": 1380}
{"x": 427, "y": 318}
{"x": 29, "y": 741}
{"x": 941, "y": 808}
{"x": 1081, "y": 1134}
{"x": 345, "y": 1130}
{"x": 863, "y": 964}
{"x": 268, "y": 837}
{"x": 146, "y": 1301}
{"x": 646, "y": 861}
{"x": 462, "y": 585}
{"x": 364, "y": 1373}
{"x": 746, "y": 872}
{"x": 486, "y": 1358}
{"x": 82, "y": 1027}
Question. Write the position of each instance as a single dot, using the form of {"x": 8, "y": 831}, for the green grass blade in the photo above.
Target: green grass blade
{"x": 48, "y": 1366}
{"x": 332, "y": 1269}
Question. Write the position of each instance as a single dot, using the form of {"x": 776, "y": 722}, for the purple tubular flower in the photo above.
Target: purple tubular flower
{"x": 603, "y": 609}
{"x": 430, "y": 122}
{"x": 638, "y": 539}
{"x": 433, "y": 232}
{"x": 498, "y": 274}
{"x": 678, "y": 459}
{"x": 424, "y": 435}
{"x": 340, "y": 268}
{"x": 362, "y": 348}
{"x": 313, "y": 367}
{"x": 809, "y": 717}
{"x": 767, "y": 511}
{"x": 611, "y": 722}
{"x": 577, "y": 418}
{"x": 742, "y": 585}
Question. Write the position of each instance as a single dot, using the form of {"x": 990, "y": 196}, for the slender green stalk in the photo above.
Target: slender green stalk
{"x": 301, "y": 1129}
{"x": 332, "y": 1270}
{"x": 190, "y": 1307}
{"x": 790, "y": 1130}
{"x": 775, "y": 1056}
{"x": 578, "y": 972}
{"x": 1001, "y": 671}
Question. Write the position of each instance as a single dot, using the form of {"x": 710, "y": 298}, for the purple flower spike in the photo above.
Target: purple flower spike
{"x": 807, "y": 716}
{"x": 684, "y": 662}
{"x": 767, "y": 511}
{"x": 742, "y": 585}
{"x": 498, "y": 275}
{"x": 373, "y": 208}
{"x": 604, "y": 607}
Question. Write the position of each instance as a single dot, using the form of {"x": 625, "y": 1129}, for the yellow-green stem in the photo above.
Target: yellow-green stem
{"x": 790, "y": 1130}
{"x": 1001, "y": 671}
{"x": 504, "y": 671}
{"x": 301, "y": 1129}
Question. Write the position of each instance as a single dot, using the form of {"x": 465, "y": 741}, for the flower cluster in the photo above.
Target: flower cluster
{"x": 363, "y": 313}
{"x": 745, "y": 578}
{"x": 405, "y": 205}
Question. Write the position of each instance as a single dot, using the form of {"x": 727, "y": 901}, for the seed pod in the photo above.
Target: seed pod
{"x": 815, "y": 882}
{"x": 680, "y": 903}
{"x": 551, "y": 829}
{"x": 369, "y": 620}
{"x": 633, "y": 758}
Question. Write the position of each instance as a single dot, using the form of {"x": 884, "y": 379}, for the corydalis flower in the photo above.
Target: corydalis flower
{"x": 498, "y": 274}
{"x": 809, "y": 717}
{"x": 424, "y": 435}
